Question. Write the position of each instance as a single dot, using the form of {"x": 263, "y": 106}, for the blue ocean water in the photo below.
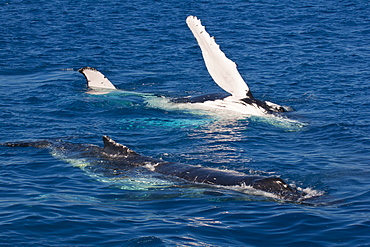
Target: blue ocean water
{"x": 313, "y": 56}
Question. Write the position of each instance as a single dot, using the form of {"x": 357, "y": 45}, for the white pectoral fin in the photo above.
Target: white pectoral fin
{"x": 95, "y": 79}
{"x": 222, "y": 70}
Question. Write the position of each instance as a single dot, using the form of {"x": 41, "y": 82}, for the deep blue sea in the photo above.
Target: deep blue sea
{"x": 313, "y": 56}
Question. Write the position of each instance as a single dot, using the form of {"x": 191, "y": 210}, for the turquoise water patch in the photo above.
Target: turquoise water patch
{"x": 283, "y": 123}
{"x": 163, "y": 122}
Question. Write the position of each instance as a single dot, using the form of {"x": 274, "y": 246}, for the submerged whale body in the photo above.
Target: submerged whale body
{"x": 121, "y": 158}
{"x": 223, "y": 71}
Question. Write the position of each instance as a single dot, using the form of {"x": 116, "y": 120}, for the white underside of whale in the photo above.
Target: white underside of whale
{"x": 228, "y": 109}
{"x": 232, "y": 104}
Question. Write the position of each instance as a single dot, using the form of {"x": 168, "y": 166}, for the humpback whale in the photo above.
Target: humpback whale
{"x": 120, "y": 158}
{"x": 237, "y": 96}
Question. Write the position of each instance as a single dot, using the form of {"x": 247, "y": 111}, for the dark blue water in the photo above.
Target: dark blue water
{"x": 311, "y": 55}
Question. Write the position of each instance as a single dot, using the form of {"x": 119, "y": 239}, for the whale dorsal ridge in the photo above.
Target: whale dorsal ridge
{"x": 113, "y": 148}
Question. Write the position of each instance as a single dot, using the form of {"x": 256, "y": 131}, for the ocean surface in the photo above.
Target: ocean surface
{"x": 313, "y": 56}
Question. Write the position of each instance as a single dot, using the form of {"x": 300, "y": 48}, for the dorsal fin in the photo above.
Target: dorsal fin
{"x": 95, "y": 79}
{"x": 222, "y": 70}
{"x": 114, "y": 148}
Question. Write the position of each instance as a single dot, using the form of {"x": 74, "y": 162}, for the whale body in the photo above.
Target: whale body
{"x": 237, "y": 97}
{"x": 121, "y": 158}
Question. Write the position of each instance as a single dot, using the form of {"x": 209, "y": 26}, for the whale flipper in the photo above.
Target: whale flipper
{"x": 95, "y": 79}
{"x": 222, "y": 70}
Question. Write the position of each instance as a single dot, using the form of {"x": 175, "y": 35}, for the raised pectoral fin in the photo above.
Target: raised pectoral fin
{"x": 222, "y": 70}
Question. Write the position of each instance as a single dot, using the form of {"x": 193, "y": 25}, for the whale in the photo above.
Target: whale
{"x": 237, "y": 97}
{"x": 119, "y": 158}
